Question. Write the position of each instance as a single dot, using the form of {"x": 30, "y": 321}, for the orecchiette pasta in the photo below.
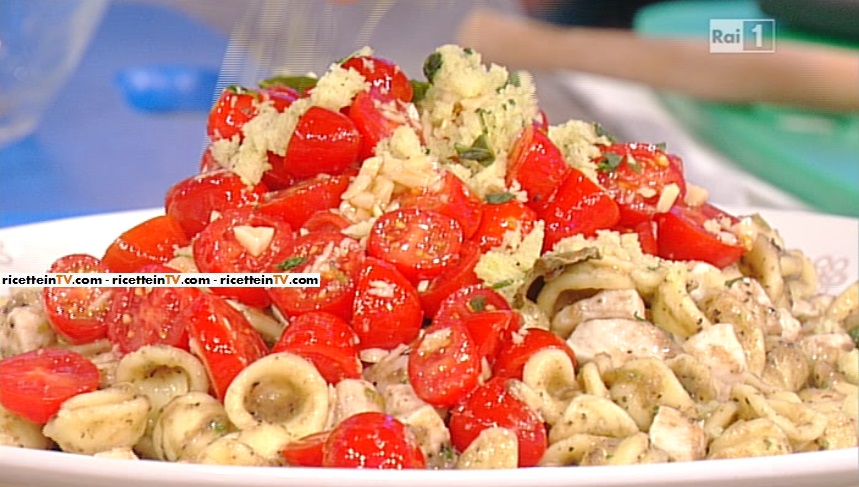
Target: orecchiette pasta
{"x": 281, "y": 389}
{"x": 100, "y": 420}
{"x": 186, "y": 425}
{"x": 493, "y": 448}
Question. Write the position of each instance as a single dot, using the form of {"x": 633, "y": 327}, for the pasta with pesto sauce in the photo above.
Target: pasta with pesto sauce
{"x": 651, "y": 359}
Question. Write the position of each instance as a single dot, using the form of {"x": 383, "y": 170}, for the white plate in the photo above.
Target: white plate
{"x": 832, "y": 242}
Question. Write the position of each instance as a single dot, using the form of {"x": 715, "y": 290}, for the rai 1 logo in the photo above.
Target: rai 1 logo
{"x": 746, "y": 36}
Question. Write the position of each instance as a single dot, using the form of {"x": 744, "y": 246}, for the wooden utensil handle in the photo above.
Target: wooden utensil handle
{"x": 802, "y": 75}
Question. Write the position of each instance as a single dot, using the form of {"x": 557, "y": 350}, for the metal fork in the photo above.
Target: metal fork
{"x": 296, "y": 37}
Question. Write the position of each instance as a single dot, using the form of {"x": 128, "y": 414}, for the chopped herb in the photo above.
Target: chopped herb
{"x": 731, "y": 282}
{"x": 601, "y": 132}
{"x": 610, "y": 163}
{"x": 291, "y": 263}
{"x": 768, "y": 443}
{"x": 661, "y": 146}
{"x": 447, "y": 453}
{"x": 432, "y": 65}
{"x": 633, "y": 164}
{"x": 513, "y": 79}
{"x": 854, "y": 334}
{"x": 498, "y": 198}
{"x": 218, "y": 426}
{"x": 419, "y": 88}
{"x": 298, "y": 83}
{"x": 477, "y": 303}
{"x": 502, "y": 284}
{"x": 637, "y": 317}
{"x": 468, "y": 51}
{"x": 478, "y": 151}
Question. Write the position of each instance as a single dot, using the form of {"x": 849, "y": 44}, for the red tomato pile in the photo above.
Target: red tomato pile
{"x": 412, "y": 282}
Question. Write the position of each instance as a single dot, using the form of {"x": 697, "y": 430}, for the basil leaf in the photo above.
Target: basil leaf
{"x": 298, "y": 83}
{"x": 502, "y": 284}
{"x": 291, "y": 263}
{"x": 419, "y": 90}
{"x": 498, "y": 198}
{"x": 601, "y": 132}
{"x": 661, "y": 146}
{"x": 477, "y": 303}
{"x": 478, "y": 151}
{"x": 432, "y": 65}
{"x": 611, "y": 162}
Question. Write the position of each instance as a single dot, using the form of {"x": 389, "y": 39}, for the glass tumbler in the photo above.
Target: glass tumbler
{"x": 41, "y": 43}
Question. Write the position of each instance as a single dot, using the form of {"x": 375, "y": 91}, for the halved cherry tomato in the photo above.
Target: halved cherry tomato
{"x": 208, "y": 162}
{"x": 222, "y": 338}
{"x": 683, "y": 234}
{"x": 35, "y": 384}
{"x": 337, "y": 258}
{"x": 151, "y": 242}
{"x": 192, "y": 200}
{"x": 636, "y": 175}
{"x": 444, "y": 366}
{"x": 494, "y": 405}
{"x": 307, "y": 451}
{"x": 537, "y": 163}
{"x": 140, "y": 316}
{"x": 419, "y": 243}
{"x": 490, "y": 329}
{"x": 452, "y": 198}
{"x": 218, "y": 248}
{"x": 455, "y": 276}
{"x": 515, "y": 351}
{"x": 468, "y": 301}
{"x": 646, "y": 232}
{"x": 327, "y": 341}
{"x": 372, "y": 440}
{"x": 324, "y": 142}
{"x": 275, "y": 180}
{"x": 326, "y": 221}
{"x": 234, "y": 108}
{"x": 369, "y": 116}
{"x": 78, "y": 314}
{"x": 498, "y": 219}
{"x": 577, "y": 206}
{"x": 299, "y": 202}
{"x": 387, "y": 80}
{"x": 387, "y": 310}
